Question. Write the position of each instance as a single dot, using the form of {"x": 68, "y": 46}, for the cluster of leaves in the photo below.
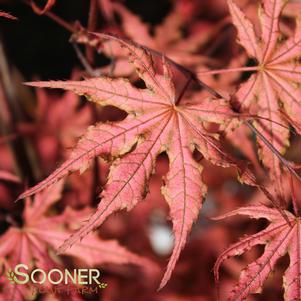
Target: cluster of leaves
{"x": 173, "y": 96}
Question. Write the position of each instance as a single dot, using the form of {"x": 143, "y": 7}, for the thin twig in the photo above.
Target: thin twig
{"x": 92, "y": 22}
{"x": 84, "y": 61}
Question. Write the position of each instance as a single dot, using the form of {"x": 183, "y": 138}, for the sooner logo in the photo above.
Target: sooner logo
{"x": 22, "y": 275}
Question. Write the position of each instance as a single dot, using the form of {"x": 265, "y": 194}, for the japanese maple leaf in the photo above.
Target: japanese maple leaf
{"x": 41, "y": 232}
{"x": 280, "y": 237}
{"x": 160, "y": 119}
{"x": 167, "y": 38}
{"x": 276, "y": 83}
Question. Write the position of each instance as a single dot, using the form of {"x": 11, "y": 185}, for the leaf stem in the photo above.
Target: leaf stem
{"x": 285, "y": 162}
{"x": 275, "y": 204}
{"x": 56, "y": 19}
{"x": 92, "y": 22}
{"x": 221, "y": 71}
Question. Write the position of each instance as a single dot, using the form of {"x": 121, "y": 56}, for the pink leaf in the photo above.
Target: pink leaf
{"x": 279, "y": 238}
{"x": 246, "y": 33}
{"x": 275, "y": 84}
{"x": 160, "y": 119}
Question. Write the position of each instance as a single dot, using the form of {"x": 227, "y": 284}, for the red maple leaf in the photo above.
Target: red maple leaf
{"x": 41, "y": 233}
{"x": 160, "y": 119}
{"x": 280, "y": 237}
{"x": 276, "y": 83}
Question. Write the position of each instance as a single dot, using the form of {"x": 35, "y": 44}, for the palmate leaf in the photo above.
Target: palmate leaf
{"x": 160, "y": 119}
{"x": 279, "y": 238}
{"x": 276, "y": 84}
{"x": 41, "y": 233}
{"x": 167, "y": 37}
